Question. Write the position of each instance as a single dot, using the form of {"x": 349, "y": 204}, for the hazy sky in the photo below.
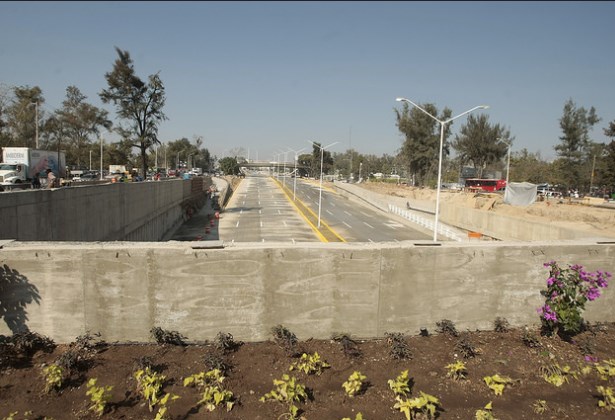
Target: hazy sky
{"x": 269, "y": 76}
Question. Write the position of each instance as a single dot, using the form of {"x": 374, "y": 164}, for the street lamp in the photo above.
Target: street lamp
{"x": 509, "y": 144}
{"x": 295, "y": 171}
{"x": 442, "y": 125}
{"x": 322, "y": 154}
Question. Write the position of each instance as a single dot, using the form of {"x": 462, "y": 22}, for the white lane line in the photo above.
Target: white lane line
{"x": 260, "y": 211}
{"x": 241, "y": 211}
{"x": 370, "y": 240}
{"x": 284, "y": 221}
{"x": 237, "y": 225}
{"x": 261, "y": 224}
{"x": 349, "y": 214}
{"x": 368, "y": 225}
{"x": 329, "y": 212}
{"x": 279, "y": 212}
{"x": 332, "y": 205}
{"x": 293, "y": 239}
{"x": 243, "y": 203}
{"x": 349, "y": 227}
{"x": 263, "y": 239}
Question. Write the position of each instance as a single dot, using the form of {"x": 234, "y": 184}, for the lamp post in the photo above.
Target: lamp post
{"x": 442, "y": 125}
{"x": 296, "y": 152}
{"x": 322, "y": 154}
{"x": 101, "y": 157}
{"x": 509, "y": 144}
{"x": 360, "y": 167}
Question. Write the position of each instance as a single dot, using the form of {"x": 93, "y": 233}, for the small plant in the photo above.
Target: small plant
{"x": 310, "y": 364}
{"x": 555, "y": 374}
{"x": 567, "y": 292}
{"x": 287, "y": 391}
{"x": 467, "y": 348}
{"x": 447, "y": 326}
{"x": 608, "y": 398}
{"x": 606, "y": 370}
{"x": 399, "y": 347}
{"x": 359, "y": 416}
{"x": 530, "y": 339}
{"x": 501, "y": 325}
{"x": 486, "y": 413}
{"x": 497, "y": 383}
{"x": 214, "y": 394}
{"x": 400, "y": 386}
{"x": 355, "y": 383}
{"x": 425, "y": 406}
{"x": 587, "y": 347}
{"x": 284, "y": 338}
{"x": 149, "y": 385}
{"x": 457, "y": 370}
{"x": 216, "y": 360}
{"x": 99, "y": 396}
{"x": 162, "y": 406}
{"x": 349, "y": 346}
{"x": 54, "y": 376}
{"x": 13, "y": 415}
{"x": 226, "y": 343}
{"x": 167, "y": 337}
{"x": 540, "y": 406}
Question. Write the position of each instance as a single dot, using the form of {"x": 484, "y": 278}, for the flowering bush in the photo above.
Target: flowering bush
{"x": 567, "y": 292}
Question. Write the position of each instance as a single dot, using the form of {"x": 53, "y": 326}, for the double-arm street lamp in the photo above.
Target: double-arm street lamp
{"x": 296, "y": 152}
{"x": 442, "y": 125}
{"x": 322, "y": 154}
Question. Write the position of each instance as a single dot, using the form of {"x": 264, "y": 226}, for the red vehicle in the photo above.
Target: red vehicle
{"x": 489, "y": 185}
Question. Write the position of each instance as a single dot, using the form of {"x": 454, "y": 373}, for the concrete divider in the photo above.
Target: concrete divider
{"x": 122, "y": 290}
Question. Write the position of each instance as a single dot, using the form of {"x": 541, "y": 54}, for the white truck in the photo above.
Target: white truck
{"x": 21, "y": 165}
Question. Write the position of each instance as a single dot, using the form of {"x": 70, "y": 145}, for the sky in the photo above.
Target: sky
{"x": 269, "y": 77}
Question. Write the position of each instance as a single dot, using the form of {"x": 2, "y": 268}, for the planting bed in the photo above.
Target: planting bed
{"x": 523, "y": 355}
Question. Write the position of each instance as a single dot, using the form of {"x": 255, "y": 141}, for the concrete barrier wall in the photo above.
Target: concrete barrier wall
{"x": 122, "y": 290}
{"x": 135, "y": 211}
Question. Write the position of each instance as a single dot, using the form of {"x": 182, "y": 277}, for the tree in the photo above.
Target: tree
{"x": 78, "y": 121}
{"x": 480, "y": 143}
{"x": 421, "y": 147}
{"x": 137, "y": 102}
{"x": 24, "y": 114}
{"x": 305, "y": 163}
{"x": 229, "y": 166}
{"x": 327, "y": 160}
{"x": 574, "y": 144}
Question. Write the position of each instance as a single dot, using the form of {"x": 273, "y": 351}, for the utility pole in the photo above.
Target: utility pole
{"x": 35, "y": 123}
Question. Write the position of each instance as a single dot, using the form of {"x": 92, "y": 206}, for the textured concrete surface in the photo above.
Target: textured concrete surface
{"x": 123, "y": 289}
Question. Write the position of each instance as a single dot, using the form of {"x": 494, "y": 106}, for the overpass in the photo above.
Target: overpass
{"x": 64, "y": 288}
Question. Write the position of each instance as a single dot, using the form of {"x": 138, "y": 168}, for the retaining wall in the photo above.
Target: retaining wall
{"x": 134, "y": 211}
{"x": 122, "y": 289}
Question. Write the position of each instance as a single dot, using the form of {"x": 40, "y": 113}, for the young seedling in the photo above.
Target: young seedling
{"x": 555, "y": 374}
{"x": 608, "y": 398}
{"x": 486, "y": 413}
{"x": 287, "y": 391}
{"x": 355, "y": 383}
{"x": 497, "y": 383}
{"x": 423, "y": 406}
{"x": 54, "y": 376}
{"x": 400, "y": 386}
{"x": 99, "y": 396}
{"x": 310, "y": 364}
{"x": 149, "y": 385}
{"x": 457, "y": 370}
{"x": 214, "y": 394}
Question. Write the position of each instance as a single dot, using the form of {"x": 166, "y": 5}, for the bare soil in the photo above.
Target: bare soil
{"x": 522, "y": 354}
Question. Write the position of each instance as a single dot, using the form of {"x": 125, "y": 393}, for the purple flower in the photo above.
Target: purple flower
{"x": 593, "y": 293}
{"x": 547, "y": 313}
{"x": 591, "y": 359}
